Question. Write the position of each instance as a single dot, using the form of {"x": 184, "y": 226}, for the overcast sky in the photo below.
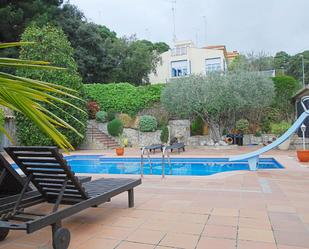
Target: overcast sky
{"x": 243, "y": 25}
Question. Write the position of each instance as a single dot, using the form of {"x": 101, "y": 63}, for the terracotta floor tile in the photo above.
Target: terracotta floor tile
{"x": 227, "y": 232}
{"x": 291, "y": 247}
{"x": 146, "y": 236}
{"x": 225, "y": 212}
{"x": 284, "y": 209}
{"x": 132, "y": 245}
{"x": 99, "y": 243}
{"x": 242, "y": 244}
{"x": 114, "y": 232}
{"x": 216, "y": 243}
{"x": 164, "y": 247}
{"x": 292, "y": 238}
{"x": 159, "y": 225}
{"x": 188, "y": 228}
{"x": 193, "y": 218}
{"x": 180, "y": 240}
{"x": 256, "y": 235}
{"x": 255, "y": 223}
{"x": 127, "y": 222}
{"x": 222, "y": 220}
{"x": 17, "y": 246}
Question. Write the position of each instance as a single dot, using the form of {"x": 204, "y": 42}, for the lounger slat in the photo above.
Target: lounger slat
{"x": 40, "y": 170}
{"x": 42, "y": 166}
{"x": 51, "y": 177}
{"x": 38, "y": 160}
{"x": 57, "y": 190}
{"x": 33, "y": 154}
{"x": 51, "y": 193}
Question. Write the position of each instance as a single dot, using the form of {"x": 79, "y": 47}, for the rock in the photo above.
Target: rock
{"x": 211, "y": 143}
{"x": 222, "y": 143}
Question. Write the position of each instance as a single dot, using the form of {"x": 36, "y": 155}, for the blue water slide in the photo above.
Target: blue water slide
{"x": 253, "y": 157}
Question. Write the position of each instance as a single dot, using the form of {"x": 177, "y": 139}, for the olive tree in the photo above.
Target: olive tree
{"x": 216, "y": 97}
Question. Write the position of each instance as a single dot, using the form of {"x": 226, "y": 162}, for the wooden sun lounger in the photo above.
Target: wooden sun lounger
{"x": 47, "y": 170}
{"x": 154, "y": 147}
{"x": 176, "y": 146}
{"x": 11, "y": 184}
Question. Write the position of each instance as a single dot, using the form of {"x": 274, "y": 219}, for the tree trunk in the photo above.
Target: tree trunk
{"x": 214, "y": 131}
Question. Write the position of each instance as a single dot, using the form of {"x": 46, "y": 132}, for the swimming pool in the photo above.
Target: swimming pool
{"x": 97, "y": 164}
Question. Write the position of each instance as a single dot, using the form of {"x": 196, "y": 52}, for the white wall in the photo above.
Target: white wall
{"x": 196, "y": 58}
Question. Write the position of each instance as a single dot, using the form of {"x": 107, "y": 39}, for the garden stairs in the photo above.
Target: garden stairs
{"x": 100, "y": 138}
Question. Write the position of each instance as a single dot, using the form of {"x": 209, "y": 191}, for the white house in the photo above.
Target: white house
{"x": 185, "y": 59}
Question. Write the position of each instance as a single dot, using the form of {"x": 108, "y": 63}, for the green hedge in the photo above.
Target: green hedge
{"x": 51, "y": 44}
{"x": 124, "y": 97}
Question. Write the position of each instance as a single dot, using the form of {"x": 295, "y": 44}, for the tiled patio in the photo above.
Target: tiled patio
{"x": 244, "y": 210}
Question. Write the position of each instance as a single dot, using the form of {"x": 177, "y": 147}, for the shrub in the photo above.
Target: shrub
{"x": 126, "y": 120}
{"x": 164, "y": 134}
{"x": 92, "y": 108}
{"x": 280, "y": 128}
{"x": 148, "y": 123}
{"x": 158, "y": 111}
{"x": 285, "y": 88}
{"x": 135, "y": 122}
{"x": 258, "y": 133}
{"x": 51, "y": 44}
{"x": 101, "y": 116}
{"x": 111, "y": 115}
{"x": 242, "y": 125}
{"x": 115, "y": 127}
{"x": 124, "y": 97}
{"x": 271, "y": 115}
{"x": 197, "y": 127}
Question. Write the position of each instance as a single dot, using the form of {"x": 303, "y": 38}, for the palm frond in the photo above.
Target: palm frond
{"x": 30, "y": 97}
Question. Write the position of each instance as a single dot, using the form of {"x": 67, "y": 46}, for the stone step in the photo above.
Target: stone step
{"x": 101, "y": 137}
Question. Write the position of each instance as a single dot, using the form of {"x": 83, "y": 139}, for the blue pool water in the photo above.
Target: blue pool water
{"x": 179, "y": 166}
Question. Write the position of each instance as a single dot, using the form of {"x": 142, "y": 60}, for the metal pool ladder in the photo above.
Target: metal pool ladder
{"x": 164, "y": 154}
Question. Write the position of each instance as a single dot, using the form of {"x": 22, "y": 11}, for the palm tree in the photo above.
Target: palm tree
{"x": 30, "y": 97}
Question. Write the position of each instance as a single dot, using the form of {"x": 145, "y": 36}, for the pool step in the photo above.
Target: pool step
{"x": 102, "y": 138}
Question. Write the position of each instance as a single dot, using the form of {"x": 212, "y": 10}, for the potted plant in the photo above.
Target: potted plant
{"x": 279, "y": 129}
{"x": 303, "y": 155}
{"x": 123, "y": 142}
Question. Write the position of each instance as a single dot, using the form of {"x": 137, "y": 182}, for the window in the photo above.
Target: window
{"x": 179, "y": 51}
{"x": 213, "y": 64}
{"x": 179, "y": 68}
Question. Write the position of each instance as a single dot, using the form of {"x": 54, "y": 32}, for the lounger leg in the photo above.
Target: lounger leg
{"x": 131, "y": 197}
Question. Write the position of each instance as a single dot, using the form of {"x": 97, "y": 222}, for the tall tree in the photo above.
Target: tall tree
{"x": 252, "y": 62}
{"x": 51, "y": 44}
{"x": 295, "y": 67}
{"x": 135, "y": 61}
{"x": 281, "y": 60}
{"x": 215, "y": 98}
{"x": 16, "y": 15}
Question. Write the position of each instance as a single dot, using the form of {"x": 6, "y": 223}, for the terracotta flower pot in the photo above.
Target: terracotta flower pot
{"x": 119, "y": 151}
{"x": 303, "y": 155}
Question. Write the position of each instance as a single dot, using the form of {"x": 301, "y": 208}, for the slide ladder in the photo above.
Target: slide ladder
{"x": 253, "y": 157}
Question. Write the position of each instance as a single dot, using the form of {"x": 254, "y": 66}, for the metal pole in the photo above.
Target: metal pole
{"x": 142, "y": 162}
{"x": 303, "y": 66}
{"x": 304, "y": 143}
{"x": 163, "y": 153}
